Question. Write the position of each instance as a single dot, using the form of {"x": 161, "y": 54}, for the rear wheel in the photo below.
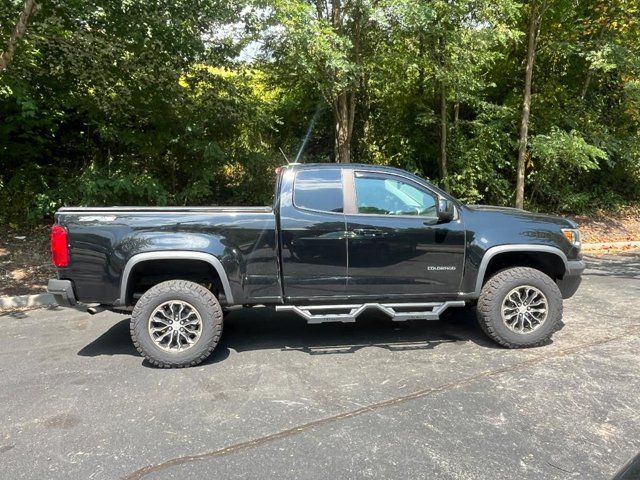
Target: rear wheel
{"x": 520, "y": 307}
{"x": 176, "y": 324}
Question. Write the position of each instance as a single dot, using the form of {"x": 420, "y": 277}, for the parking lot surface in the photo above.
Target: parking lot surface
{"x": 282, "y": 399}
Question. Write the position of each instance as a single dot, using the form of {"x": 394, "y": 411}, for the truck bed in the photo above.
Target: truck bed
{"x": 126, "y": 210}
{"x": 104, "y": 240}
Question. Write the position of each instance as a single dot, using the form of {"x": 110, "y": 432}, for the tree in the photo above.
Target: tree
{"x": 535, "y": 14}
{"x": 109, "y": 103}
{"x": 444, "y": 50}
{"x": 607, "y": 29}
{"x": 30, "y": 7}
{"x": 321, "y": 42}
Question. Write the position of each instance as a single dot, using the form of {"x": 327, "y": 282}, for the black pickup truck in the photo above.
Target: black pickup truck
{"x": 338, "y": 240}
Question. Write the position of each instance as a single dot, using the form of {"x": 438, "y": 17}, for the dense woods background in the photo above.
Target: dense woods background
{"x": 189, "y": 101}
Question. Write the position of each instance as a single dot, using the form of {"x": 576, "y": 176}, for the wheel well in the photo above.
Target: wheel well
{"x": 148, "y": 273}
{"x": 548, "y": 263}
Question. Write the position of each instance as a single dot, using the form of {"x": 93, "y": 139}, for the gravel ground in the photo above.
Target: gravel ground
{"x": 25, "y": 262}
{"x": 601, "y": 227}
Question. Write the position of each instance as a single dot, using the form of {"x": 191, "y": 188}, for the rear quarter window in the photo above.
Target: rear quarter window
{"x": 319, "y": 189}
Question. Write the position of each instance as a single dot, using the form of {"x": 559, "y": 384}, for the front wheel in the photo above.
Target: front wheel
{"x": 176, "y": 324}
{"x": 520, "y": 307}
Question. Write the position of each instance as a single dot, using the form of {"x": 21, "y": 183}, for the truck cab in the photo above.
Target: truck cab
{"x": 363, "y": 233}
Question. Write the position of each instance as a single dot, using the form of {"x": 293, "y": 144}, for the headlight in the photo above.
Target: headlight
{"x": 573, "y": 235}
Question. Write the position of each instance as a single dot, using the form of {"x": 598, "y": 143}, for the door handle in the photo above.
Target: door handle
{"x": 367, "y": 232}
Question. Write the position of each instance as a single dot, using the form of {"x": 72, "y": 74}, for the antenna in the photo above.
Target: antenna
{"x": 284, "y": 155}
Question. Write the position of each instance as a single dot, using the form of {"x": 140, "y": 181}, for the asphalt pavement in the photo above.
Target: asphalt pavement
{"x": 283, "y": 399}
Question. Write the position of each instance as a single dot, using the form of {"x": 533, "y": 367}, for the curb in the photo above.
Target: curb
{"x": 21, "y": 301}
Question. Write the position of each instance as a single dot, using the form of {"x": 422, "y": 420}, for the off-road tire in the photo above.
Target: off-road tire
{"x": 202, "y": 299}
{"x": 494, "y": 292}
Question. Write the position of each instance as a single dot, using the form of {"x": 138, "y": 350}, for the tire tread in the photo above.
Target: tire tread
{"x": 488, "y": 296}
{"x": 167, "y": 287}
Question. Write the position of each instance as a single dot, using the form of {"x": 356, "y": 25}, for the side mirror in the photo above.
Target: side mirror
{"x": 446, "y": 210}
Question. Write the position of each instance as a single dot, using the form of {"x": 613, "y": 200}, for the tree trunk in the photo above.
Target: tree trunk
{"x": 585, "y": 85}
{"x": 443, "y": 121}
{"x": 344, "y": 113}
{"x": 443, "y": 135}
{"x": 532, "y": 41}
{"x": 30, "y": 7}
{"x": 587, "y": 78}
{"x": 336, "y": 14}
{"x": 344, "y": 105}
{"x": 319, "y": 9}
{"x": 456, "y": 111}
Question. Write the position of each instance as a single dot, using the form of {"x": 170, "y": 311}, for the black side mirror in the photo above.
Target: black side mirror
{"x": 446, "y": 210}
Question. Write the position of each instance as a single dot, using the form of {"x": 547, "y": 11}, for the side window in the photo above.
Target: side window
{"x": 319, "y": 189}
{"x": 392, "y": 196}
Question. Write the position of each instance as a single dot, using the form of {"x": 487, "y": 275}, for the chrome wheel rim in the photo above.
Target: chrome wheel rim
{"x": 524, "y": 309}
{"x": 175, "y": 326}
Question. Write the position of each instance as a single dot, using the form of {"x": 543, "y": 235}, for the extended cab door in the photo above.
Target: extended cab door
{"x": 313, "y": 233}
{"x": 396, "y": 247}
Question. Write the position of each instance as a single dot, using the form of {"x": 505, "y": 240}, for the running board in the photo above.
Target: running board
{"x": 348, "y": 313}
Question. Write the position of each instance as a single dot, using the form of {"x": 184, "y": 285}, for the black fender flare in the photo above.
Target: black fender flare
{"x": 174, "y": 255}
{"x": 493, "y": 251}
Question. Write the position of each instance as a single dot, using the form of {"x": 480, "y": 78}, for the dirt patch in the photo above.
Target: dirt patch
{"x": 605, "y": 227}
{"x": 25, "y": 262}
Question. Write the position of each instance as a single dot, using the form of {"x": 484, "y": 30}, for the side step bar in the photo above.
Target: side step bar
{"x": 348, "y": 313}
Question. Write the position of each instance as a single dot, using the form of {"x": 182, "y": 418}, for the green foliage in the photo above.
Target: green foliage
{"x": 556, "y": 158}
{"x": 481, "y": 149}
{"x": 119, "y": 102}
{"x": 111, "y": 103}
{"x": 566, "y": 151}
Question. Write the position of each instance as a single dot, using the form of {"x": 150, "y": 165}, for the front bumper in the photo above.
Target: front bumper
{"x": 569, "y": 284}
{"x": 62, "y": 291}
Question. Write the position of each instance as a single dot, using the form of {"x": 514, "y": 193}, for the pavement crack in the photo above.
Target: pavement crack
{"x": 256, "y": 442}
{"x": 559, "y": 468}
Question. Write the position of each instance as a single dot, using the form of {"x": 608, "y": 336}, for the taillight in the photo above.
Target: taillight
{"x": 59, "y": 246}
